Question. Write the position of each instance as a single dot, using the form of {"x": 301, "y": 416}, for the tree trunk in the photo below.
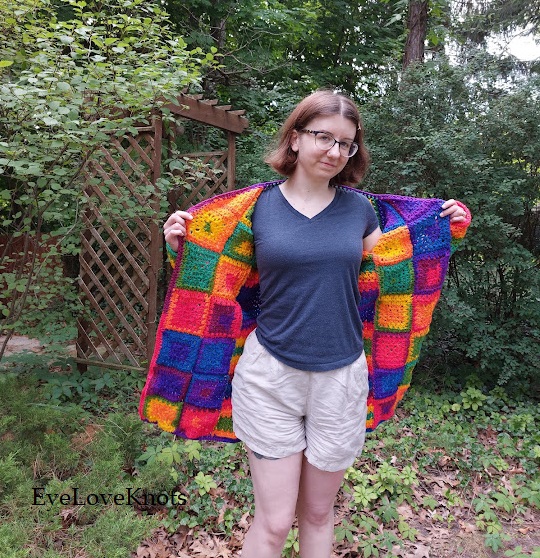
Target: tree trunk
{"x": 417, "y": 32}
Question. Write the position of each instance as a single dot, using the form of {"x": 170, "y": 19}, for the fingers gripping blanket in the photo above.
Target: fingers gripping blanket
{"x": 212, "y": 306}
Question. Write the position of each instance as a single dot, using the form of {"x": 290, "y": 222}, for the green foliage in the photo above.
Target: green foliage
{"x": 80, "y": 73}
{"x": 292, "y": 545}
{"x": 296, "y": 45}
{"x": 462, "y": 132}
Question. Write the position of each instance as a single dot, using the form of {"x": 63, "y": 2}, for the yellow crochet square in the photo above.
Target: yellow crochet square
{"x": 393, "y": 247}
{"x": 163, "y": 412}
{"x": 394, "y": 312}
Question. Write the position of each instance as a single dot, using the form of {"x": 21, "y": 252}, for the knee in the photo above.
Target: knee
{"x": 276, "y": 529}
{"x": 319, "y": 516}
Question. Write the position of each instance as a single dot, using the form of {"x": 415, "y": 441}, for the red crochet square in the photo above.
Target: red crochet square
{"x": 390, "y": 350}
{"x": 230, "y": 276}
{"x": 187, "y": 312}
{"x": 429, "y": 275}
{"x": 197, "y": 422}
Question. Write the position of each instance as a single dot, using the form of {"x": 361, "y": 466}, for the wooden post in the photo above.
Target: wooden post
{"x": 156, "y": 243}
{"x": 231, "y": 160}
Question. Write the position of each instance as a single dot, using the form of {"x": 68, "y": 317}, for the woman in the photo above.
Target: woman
{"x": 300, "y": 387}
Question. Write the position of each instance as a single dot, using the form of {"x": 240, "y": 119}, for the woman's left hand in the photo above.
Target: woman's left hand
{"x": 454, "y": 211}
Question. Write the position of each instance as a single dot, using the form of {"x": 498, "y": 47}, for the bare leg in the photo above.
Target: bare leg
{"x": 275, "y": 485}
{"x": 315, "y": 509}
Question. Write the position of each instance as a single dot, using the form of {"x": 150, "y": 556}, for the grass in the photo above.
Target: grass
{"x": 455, "y": 473}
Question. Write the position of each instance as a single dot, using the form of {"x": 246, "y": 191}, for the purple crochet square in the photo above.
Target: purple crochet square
{"x": 206, "y": 391}
{"x": 169, "y": 383}
{"x": 429, "y": 273}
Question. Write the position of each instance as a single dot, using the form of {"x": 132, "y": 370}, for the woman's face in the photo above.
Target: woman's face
{"x": 314, "y": 162}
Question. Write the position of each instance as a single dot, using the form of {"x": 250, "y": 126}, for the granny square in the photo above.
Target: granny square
{"x": 386, "y": 382}
{"x": 206, "y": 391}
{"x": 393, "y": 247}
{"x": 423, "y": 307}
{"x": 211, "y": 230}
{"x": 230, "y": 276}
{"x": 198, "y": 422}
{"x": 240, "y": 244}
{"x": 389, "y": 350}
{"x": 214, "y": 356}
{"x": 394, "y": 312}
{"x": 429, "y": 273}
{"x": 170, "y": 384}
{"x": 178, "y": 350}
{"x": 197, "y": 272}
{"x": 398, "y": 278}
{"x": 430, "y": 235}
{"x": 187, "y": 311}
{"x": 164, "y": 413}
{"x": 224, "y": 319}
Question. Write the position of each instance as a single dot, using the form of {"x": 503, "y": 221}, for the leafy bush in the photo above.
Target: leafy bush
{"x": 72, "y": 75}
{"x": 461, "y": 132}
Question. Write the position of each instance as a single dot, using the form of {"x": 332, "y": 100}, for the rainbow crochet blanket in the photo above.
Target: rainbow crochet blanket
{"x": 212, "y": 306}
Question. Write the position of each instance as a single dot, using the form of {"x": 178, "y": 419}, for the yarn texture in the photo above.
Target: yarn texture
{"x": 212, "y": 305}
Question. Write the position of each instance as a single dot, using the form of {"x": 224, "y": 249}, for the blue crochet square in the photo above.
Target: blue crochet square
{"x": 178, "y": 350}
{"x": 386, "y": 382}
{"x": 215, "y": 356}
{"x": 430, "y": 235}
{"x": 206, "y": 391}
{"x": 169, "y": 384}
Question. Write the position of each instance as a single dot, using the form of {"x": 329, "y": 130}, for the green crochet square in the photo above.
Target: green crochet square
{"x": 198, "y": 268}
{"x": 240, "y": 245}
{"x": 397, "y": 278}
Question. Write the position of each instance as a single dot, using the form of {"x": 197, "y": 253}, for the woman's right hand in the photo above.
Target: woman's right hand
{"x": 175, "y": 227}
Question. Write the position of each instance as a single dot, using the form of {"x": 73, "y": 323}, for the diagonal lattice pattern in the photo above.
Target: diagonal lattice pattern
{"x": 116, "y": 253}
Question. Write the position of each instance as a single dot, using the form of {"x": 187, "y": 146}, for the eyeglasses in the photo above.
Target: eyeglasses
{"x": 325, "y": 141}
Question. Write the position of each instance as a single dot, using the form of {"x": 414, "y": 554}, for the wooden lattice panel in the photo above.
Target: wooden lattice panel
{"x": 214, "y": 182}
{"x": 118, "y": 254}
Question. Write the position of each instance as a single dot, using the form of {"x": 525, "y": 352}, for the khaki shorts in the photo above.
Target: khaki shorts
{"x": 279, "y": 411}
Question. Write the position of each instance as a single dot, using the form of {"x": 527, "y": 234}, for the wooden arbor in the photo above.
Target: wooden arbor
{"x": 121, "y": 254}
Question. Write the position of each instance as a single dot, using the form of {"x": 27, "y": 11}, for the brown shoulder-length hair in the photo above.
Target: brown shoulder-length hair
{"x": 323, "y": 102}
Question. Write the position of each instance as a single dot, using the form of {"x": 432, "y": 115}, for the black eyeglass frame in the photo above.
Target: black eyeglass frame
{"x": 342, "y": 144}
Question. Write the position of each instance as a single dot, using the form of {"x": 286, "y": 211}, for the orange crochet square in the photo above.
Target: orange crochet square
{"x": 394, "y": 312}
{"x": 393, "y": 247}
{"x": 163, "y": 412}
{"x": 187, "y": 312}
{"x": 212, "y": 226}
{"x": 423, "y": 308}
{"x": 230, "y": 276}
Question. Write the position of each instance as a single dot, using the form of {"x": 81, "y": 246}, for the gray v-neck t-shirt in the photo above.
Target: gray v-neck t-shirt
{"x": 308, "y": 276}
